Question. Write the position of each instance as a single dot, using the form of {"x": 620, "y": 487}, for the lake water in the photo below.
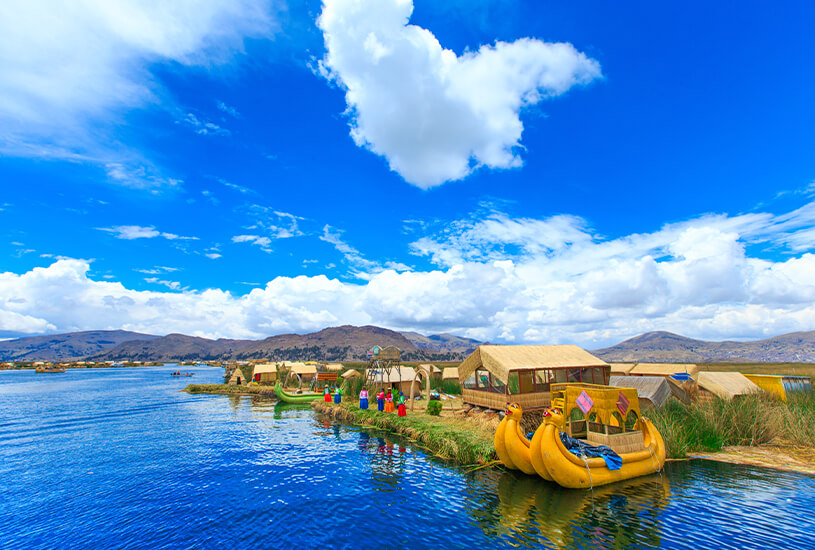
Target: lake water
{"x": 121, "y": 458}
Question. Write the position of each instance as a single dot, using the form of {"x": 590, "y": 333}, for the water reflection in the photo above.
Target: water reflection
{"x": 532, "y": 512}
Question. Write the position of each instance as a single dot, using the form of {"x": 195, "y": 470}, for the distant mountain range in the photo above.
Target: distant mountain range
{"x": 349, "y": 343}
{"x": 345, "y": 343}
{"x": 666, "y": 347}
{"x": 59, "y": 347}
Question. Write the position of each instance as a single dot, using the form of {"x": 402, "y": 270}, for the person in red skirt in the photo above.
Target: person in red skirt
{"x": 327, "y": 394}
{"x": 400, "y": 405}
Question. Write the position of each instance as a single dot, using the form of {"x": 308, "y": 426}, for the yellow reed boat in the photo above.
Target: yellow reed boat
{"x": 592, "y": 414}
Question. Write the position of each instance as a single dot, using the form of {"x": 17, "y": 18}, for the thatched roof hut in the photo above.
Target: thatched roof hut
{"x": 653, "y": 391}
{"x": 399, "y": 379}
{"x": 450, "y": 373}
{"x": 264, "y": 373}
{"x": 664, "y": 369}
{"x": 493, "y": 376}
{"x": 303, "y": 372}
{"x": 334, "y": 367}
{"x": 350, "y": 373}
{"x": 726, "y": 385}
{"x": 237, "y": 378}
{"x": 621, "y": 369}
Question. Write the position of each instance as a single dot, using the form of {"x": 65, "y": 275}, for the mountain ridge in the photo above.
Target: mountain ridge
{"x": 667, "y": 347}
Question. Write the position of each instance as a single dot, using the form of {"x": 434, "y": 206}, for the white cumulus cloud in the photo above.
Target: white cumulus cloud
{"x": 433, "y": 115}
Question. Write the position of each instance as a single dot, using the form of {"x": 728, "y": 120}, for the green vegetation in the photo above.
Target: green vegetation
{"x": 751, "y": 420}
{"x": 463, "y": 441}
{"x": 434, "y": 408}
{"x": 451, "y": 387}
{"x": 352, "y": 385}
{"x": 223, "y": 389}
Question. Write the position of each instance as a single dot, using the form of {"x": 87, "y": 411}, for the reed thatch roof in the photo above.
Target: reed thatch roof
{"x": 621, "y": 368}
{"x": 351, "y": 373}
{"x": 664, "y": 369}
{"x": 302, "y": 368}
{"x": 726, "y": 385}
{"x": 334, "y": 366}
{"x": 654, "y": 389}
{"x": 263, "y": 368}
{"x": 406, "y": 374}
{"x": 450, "y": 373}
{"x": 500, "y": 360}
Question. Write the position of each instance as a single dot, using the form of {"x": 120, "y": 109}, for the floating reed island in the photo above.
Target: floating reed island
{"x": 709, "y": 409}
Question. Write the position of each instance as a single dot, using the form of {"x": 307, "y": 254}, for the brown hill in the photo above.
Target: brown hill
{"x": 64, "y": 347}
{"x": 345, "y": 343}
{"x": 666, "y": 347}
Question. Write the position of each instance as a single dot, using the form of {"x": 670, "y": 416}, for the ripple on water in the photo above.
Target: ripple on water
{"x": 121, "y": 458}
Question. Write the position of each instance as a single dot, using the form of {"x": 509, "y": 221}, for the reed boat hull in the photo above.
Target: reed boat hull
{"x": 571, "y": 471}
{"x": 295, "y": 398}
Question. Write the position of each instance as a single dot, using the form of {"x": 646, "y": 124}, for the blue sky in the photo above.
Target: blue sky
{"x": 539, "y": 172}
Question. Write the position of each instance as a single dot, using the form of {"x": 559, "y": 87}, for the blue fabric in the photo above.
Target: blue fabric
{"x": 337, "y": 398}
{"x": 363, "y": 403}
{"x": 681, "y": 376}
{"x": 381, "y": 404}
{"x": 581, "y": 449}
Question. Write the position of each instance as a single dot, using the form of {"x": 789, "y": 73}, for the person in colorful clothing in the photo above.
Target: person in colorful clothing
{"x": 363, "y": 399}
{"x": 380, "y": 400}
{"x": 400, "y": 405}
{"x": 389, "y": 402}
{"x": 327, "y": 394}
{"x": 337, "y": 395}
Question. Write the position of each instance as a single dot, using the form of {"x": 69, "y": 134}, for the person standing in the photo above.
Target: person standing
{"x": 338, "y": 395}
{"x": 380, "y": 400}
{"x": 389, "y": 402}
{"x": 327, "y": 394}
{"x": 400, "y": 405}
{"x": 363, "y": 399}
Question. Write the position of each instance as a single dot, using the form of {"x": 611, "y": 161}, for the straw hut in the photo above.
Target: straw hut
{"x": 450, "y": 373}
{"x": 264, "y": 373}
{"x": 399, "y": 378}
{"x": 493, "y": 376}
{"x": 727, "y": 385}
{"x": 653, "y": 391}
{"x": 333, "y": 367}
{"x": 621, "y": 369}
{"x": 664, "y": 369}
{"x": 351, "y": 373}
{"x": 303, "y": 372}
{"x": 237, "y": 378}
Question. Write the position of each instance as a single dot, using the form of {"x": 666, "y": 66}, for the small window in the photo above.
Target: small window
{"x": 514, "y": 384}
{"x": 542, "y": 379}
{"x": 527, "y": 381}
{"x": 496, "y": 386}
{"x": 469, "y": 383}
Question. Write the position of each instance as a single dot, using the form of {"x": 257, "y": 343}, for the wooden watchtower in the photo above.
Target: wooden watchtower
{"x": 381, "y": 361}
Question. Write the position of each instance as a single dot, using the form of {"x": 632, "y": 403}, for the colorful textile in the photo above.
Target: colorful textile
{"x": 389, "y": 406}
{"x": 380, "y": 403}
{"x": 402, "y": 409}
{"x": 363, "y": 403}
{"x": 327, "y": 397}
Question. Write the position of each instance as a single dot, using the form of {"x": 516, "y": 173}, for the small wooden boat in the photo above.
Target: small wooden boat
{"x": 593, "y": 414}
{"x": 305, "y": 397}
{"x": 181, "y": 374}
{"x": 49, "y": 369}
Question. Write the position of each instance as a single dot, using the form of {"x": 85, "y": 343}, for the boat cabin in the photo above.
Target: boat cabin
{"x": 493, "y": 376}
{"x": 601, "y": 415}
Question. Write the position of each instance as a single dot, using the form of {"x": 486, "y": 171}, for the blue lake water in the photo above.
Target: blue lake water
{"x": 121, "y": 458}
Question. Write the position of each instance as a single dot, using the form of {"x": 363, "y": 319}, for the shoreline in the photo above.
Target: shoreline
{"x": 468, "y": 442}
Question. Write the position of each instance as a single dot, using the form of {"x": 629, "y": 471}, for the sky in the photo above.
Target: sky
{"x": 515, "y": 171}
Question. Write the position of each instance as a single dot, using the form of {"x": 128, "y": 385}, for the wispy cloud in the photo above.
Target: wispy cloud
{"x": 204, "y": 127}
{"x": 262, "y": 242}
{"x": 158, "y": 270}
{"x": 172, "y": 285}
{"x": 72, "y": 72}
{"x": 231, "y": 111}
{"x": 131, "y": 232}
